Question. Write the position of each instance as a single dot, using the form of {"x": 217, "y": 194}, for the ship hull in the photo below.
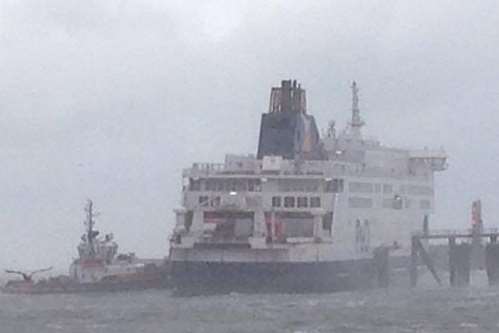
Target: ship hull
{"x": 190, "y": 278}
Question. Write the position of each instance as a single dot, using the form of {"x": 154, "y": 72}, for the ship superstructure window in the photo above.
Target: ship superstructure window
{"x": 215, "y": 202}
{"x": 335, "y": 185}
{"x": 387, "y": 188}
{"x": 315, "y": 202}
{"x": 398, "y": 202}
{"x": 230, "y": 185}
{"x": 194, "y": 184}
{"x": 302, "y": 202}
{"x": 203, "y": 201}
{"x": 408, "y": 203}
{"x": 419, "y": 190}
{"x": 276, "y": 201}
{"x": 388, "y": 203}
{"x": 295, "y": 224}
{"x": 298, "y": 185}
{"x": 289, "y": 202}
{"x": 254, "y": 185}
{"x": 230, "y": 225}
{"x": 234, "y": 185}
{"x": 425, "y": 204}
{"x": 357, "y": 187}
{"x": 210, "y": 185}
{"x": 357, "y": 202}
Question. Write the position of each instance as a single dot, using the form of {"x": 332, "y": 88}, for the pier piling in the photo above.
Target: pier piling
{"x": 459, "y": 263}
{"x": 492, "y": 261}
{"x": 381, "y": 257}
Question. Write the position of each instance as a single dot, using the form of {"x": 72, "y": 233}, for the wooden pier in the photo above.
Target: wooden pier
{"x": 460, "y": 255}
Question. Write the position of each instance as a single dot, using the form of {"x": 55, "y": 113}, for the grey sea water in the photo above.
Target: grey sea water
{"x": 435, "y": 309}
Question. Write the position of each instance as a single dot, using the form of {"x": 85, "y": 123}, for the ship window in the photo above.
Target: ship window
{"x": 312, "y": 187}
{"x": 327, "y": 222}
{"x": 315, "y": 202}
{"x": 215, "y": 202}
{"x": 387, "y": 203}
{"x": 295, "y": 224}
{"x": 241, "y": 185}
{"x": 334, "y": 186}
{"x": 203, "y": 200}
{"x": 357, "y": 202}
{"x": 419, "y": 190}
{"x": 276, "y": 201}
{"x": 254, "y": 185}
{"x": 408, "y": 203}
{"x": 298, "y": 185}
{"x": 210, "y": 185}
{"x": 289, "y": 202}
{"x": 397, "y": 202}
{"x": 356, "y": 187}
{"x": 230, "y": 186}
{"x": 194, "y": 184}
{"x": 387, "y": 188}
{"x": 302, "y": 202}
{"x": 425, "y": 204}
{"x": 219, "y": 185}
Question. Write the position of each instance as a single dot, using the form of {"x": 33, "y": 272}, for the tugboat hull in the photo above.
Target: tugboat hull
{"x": 68, "y": 286}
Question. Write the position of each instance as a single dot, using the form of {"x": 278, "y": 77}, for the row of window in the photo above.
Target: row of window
{"x": 205, "y": 201}
{"x": 299, "y": 202}
{"x": 255, "y": 185}
{"x": 286, "y": 185}
{"x": 225, "y": 185}
{"x": 359, "y": 187}
{"x": 315, "y": 202}
{"x": 394, "y": 203}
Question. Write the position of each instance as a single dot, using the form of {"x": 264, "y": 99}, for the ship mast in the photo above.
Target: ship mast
{"x": 89, "y": 224}
{"x": 356, "y": 123}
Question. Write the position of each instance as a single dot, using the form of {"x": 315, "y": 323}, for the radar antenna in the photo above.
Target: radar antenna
{"x": 356, "y": 123}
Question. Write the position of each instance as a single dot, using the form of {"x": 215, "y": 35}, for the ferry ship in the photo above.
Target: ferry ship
{"x": 307, "y": 213}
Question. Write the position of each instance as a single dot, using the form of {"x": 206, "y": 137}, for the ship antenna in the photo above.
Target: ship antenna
{"x": 89, "y": 224}
{"x": 357, "y": 122}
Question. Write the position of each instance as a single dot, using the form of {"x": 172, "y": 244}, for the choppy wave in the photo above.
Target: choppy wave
{"x": 424, "y": 309}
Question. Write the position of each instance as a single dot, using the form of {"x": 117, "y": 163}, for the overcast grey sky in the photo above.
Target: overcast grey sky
{"x": 110, "y": 99}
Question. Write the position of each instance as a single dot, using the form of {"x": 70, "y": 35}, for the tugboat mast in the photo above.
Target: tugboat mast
{"x": 89, "y": 224}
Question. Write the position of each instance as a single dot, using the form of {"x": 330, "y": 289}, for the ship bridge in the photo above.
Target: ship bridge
{"x": 436, "y": 160}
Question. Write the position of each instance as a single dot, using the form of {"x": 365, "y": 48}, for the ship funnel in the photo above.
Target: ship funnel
{"x": 289, "y": 97}
{"x": 286, "y": 130}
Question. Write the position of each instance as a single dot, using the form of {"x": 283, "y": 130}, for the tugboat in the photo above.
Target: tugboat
{"x": 99, "y": 267}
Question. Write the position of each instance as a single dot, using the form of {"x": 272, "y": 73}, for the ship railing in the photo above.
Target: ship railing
{"x": 306, "y": 168}
{"x": 428, "y": 153}
{"x": 220, "y": 168}
{"x": 454, "y": 232}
